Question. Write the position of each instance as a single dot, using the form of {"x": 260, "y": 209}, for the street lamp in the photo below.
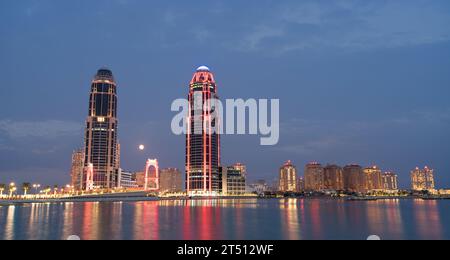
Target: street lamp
{"x": 36, "y": 187}
{"x": 142, "y": 149}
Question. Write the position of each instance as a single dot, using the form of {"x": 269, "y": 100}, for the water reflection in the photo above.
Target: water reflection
{"x": 428, "y": 219}
{"x": 315, "y": 219}
{"x": 384, "y": 217}
{"x": 229, "y": 203}
{"x": 290, "y": 219}
{"x": 394, "y": 223}
{"x": 146, "y": 221}
{"x": 9, "y": 226}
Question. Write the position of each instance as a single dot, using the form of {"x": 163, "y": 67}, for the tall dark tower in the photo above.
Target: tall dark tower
{"x": 102, "y": 150}
{"x": 202, "y": 143}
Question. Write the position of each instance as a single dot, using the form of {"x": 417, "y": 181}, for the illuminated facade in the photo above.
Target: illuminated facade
{"x": 89, "y": 177}
{"x": 314, "y": 179}
{"x": 102, "y": 149}
{"x": 422, "y": 180}
{"x": 390, "y": 181}
{"x": 77, "y": 169}
{"x": 234, "y": 180}
{"x": 288, "y": 178}
{"x": 373, "y": 180}
{"x": 241, "y": 167}
{"x": 333, "y": 178}
{"x": 354, "y": 178}
{"x": 151, "y": 179}
{"x": 202, "y": 142}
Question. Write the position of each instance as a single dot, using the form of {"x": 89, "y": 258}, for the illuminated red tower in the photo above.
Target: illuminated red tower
{"x": 202, "y": 142}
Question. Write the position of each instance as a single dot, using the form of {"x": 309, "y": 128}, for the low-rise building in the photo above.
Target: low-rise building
{"x": 127, "y": 179}
{"x": 233, "y": 181}
{"x": 171, "y": 181}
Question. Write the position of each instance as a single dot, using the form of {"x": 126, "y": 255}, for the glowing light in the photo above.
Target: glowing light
{"x": 203, "y": 68}
{"x": 141, "y": 147}
{"x": 90, "y": 177}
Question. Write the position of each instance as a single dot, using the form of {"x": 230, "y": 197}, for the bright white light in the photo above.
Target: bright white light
{"x": 203, "y": 68}
{"x": 141, "y": 147}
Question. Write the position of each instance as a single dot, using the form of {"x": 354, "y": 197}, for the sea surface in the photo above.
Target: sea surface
{"x": 238, "y": 219}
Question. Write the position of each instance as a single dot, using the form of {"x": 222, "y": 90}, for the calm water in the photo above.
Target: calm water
{"x": 229, "y": 219}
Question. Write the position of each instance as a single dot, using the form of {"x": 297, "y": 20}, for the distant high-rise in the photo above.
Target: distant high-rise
{"x": 373, "y": 179}
{"x": 102, "y": 149}
{"x": 390, "y": 181}
{"x": 202, "y": 142}
{"x": 300, "y": 184}
{"x": 333, "y": 178}
{"x": 260, "y": 187}
{"x": 353, "y": 178}
{"x": 170, "y": 181}
{"x": 77, "y": 169}
{"x": 288, "y": 178}
{"x": 422, "y": 180}
{"x": 314, "y": 179}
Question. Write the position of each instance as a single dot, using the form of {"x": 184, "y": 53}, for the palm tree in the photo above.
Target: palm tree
{"x": 2, "y": 188}
{"x": 26, "y": 187}
{"x": 12, "y": 189}
{"x": 47, "y": 189}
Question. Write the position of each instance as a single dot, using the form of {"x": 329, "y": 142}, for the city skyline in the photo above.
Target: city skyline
{"x": 366, "y": 99}
{"x": 102, "y": 114}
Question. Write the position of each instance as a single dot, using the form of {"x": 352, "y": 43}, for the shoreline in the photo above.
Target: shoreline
{"x": 137, "y": 198}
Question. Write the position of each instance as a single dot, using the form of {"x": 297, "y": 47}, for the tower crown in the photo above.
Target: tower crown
{"x": 203, "y": 75}
{"x": 104, "y": 74}
{"x": 203, "y": 68}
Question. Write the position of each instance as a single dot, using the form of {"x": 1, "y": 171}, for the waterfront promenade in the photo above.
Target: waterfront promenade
{"x": 144, "y": 196}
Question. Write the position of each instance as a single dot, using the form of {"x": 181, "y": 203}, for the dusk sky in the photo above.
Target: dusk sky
{"x": 359, "y": 81}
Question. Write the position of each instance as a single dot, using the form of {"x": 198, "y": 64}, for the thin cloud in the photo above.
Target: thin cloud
{"x": 351, "y": 25}
{"x": 310, "y": 147}
{"x": 44, "y": 176}
{"x": 254, "y": 40}
{"x": 42, "y": 129}
{"x": 317, "y": 136}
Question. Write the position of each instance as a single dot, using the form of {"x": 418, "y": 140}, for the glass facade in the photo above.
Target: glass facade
{"x": 101, "y": 145}
{"x": 202, "y": 143}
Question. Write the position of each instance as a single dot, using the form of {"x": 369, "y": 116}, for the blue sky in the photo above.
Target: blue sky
{"x": 359, "y": 81}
